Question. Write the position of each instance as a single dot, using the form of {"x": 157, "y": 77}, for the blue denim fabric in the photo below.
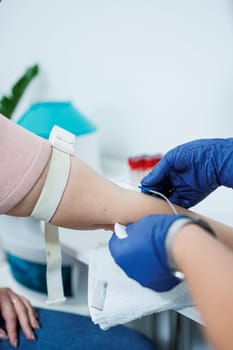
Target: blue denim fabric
{"x": 66, "y": 331}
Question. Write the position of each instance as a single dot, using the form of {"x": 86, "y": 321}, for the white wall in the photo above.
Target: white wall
{"x": 151, "y": 74}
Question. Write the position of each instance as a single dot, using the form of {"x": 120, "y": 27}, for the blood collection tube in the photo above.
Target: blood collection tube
{"x": 140, "y": 166}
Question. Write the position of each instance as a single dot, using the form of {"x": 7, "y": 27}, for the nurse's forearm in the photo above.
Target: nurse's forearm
{"x": 207, "y": 266}
{"x": 91, "y": 201}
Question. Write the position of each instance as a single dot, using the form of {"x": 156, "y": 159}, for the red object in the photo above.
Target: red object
{"x": 143, "y": 162}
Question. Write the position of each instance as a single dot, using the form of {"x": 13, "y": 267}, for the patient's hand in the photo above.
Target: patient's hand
{"x": 16, "y": 309}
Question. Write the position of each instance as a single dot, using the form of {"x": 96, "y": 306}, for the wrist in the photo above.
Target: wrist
{"x": 183, "y": 244}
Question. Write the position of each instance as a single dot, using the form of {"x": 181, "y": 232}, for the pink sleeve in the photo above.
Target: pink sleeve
{"x": 23, "y": 157}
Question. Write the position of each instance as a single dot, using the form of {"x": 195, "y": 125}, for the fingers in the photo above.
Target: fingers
{"x": 115, "y": 247}
{"x": 10, "y": 318}
{"x": 32, "y": 314}
{"x": 176, "y": 199}
{"x": 120, "y": 231}
{"x": 16, "y": 309}
{"x": 157, "y": 176}
{"x": 23, "y": 316}
{"x": 3, "y": 335}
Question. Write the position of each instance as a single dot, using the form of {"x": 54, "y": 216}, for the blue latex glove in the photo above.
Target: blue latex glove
{"x": 142, "y": 254}
{"x": 190, "y": 172}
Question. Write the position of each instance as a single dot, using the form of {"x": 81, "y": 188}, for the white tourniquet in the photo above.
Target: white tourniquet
{"x": 115, "y": 299}
{"x": 47, "y": 204}
{"x": 54, "y": 186}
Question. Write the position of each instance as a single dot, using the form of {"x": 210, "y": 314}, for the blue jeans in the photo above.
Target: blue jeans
{"x": 61, "y": 330}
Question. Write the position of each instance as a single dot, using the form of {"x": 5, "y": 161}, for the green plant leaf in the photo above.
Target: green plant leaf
{"x": 9, "y": 103}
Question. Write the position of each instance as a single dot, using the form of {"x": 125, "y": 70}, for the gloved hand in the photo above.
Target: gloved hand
{"x": 190, "y": 172}
{"x": 142, "y": 254}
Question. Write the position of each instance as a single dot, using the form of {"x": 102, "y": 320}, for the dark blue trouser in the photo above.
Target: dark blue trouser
{"x": 61, "y": 330}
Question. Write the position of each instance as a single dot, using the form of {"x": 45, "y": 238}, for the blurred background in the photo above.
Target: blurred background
{"x": 151, "y": 74}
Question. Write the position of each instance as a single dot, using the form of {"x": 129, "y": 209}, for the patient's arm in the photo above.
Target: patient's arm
{"x": 90, "y": 201}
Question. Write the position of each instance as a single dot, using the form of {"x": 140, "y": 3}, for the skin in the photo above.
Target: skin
{"x": 16, "y": 309}
{"x": 210, "y": 281}
{"x": 91, "y": 202}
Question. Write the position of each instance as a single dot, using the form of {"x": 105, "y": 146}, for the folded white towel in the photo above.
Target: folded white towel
{"x": 114, "y": 299}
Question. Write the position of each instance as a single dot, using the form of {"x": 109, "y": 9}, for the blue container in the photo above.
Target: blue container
{"x": 33, "y": 275}
{"x": 42, "y": 116}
